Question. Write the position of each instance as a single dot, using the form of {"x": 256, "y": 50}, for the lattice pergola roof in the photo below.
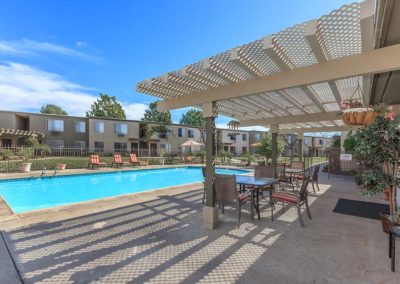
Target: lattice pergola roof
{"x": 20, "y": 133}
{"x": 344, "y": 32}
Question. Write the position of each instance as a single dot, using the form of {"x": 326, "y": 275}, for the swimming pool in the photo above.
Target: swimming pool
{"x": 36, "y": 193}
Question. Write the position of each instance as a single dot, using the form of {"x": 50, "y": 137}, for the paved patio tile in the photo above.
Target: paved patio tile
{"x": 163, "y": 241}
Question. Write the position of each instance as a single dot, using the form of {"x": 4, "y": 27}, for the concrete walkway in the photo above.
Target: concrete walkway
{"x": 163, "y": 241}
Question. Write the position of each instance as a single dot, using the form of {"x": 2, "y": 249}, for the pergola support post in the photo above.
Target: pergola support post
{"x": 274, "y": 132}
{"x": 300, "y": 137}
{"x": 210, "y": 212}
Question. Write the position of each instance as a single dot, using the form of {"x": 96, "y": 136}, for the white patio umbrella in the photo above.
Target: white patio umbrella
{"x": 191, "y": 144}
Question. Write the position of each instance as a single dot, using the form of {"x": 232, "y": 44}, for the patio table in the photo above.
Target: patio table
{"x": 256, "y": 184}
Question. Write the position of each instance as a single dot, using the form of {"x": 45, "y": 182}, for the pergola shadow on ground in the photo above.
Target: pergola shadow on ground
{"x": 164, "y": 241}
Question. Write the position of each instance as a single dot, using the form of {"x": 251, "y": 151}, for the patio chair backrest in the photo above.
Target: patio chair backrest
{"x": 261, "y": 163}
{"x": 226, "y": 189}
{"x": 117, "y": 158}
{"x": 133, "y": 158}
{"x": 303, "y": 190}
{"x": 94, "y": 159}
{"x": 297, "y": 165}
{"x": 316, "y": 171}
{"x": 263, "y": 172}
{"x": 280, "y": 171}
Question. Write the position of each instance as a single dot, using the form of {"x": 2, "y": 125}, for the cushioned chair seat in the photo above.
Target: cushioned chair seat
{"x": 244, "y": 197}
{"x": 290, "y": 198}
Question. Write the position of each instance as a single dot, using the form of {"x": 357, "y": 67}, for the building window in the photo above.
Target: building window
{"x": 99, "y": 146}
{"x": 55, "y": 143}
{"x": 120, "y": 147}
{"x": 305, "y": 141}
{"x": 232, "y": 137}
{"x": 166, "y": 148}
{"x": 80, "y": 127}
{"x": 244, "y": 137}
{"x": 321, "y": 142}
{"x": 181, "y": 132}
{"x": 233, "y": 149}
{"x": 244, "y": 149}
{"x": 99, "y": 126}
{"x": 191, "y": 133}
{"x": 257, "y": 136}
{"x": 55, "y": 125}
{"x": 121, "y": 128}
{"x": 226, "y": 148}
{"x": 80, "y": 144}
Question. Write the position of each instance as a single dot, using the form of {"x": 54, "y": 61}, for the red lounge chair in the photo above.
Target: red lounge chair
{"x": 133, "y": 160}
{"x": 94, "y": 160}
{"x": 118, "y": 161}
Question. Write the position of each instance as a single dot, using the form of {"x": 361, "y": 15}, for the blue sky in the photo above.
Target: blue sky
{"x": 67, "y": 52}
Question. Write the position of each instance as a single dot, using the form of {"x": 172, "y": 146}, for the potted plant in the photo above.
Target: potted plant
{"x": 201, "y": 155}
{"x": 61, "y": 167}
{"x": 379, "y": 145}
{"x": 25, "y": 154}
{"x": 162, "y": 159}
{"x": 247, "y": 158}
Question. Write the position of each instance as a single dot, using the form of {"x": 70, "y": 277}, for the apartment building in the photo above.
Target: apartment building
{"x": 115, "y": 135}
{"x": 96, "y": 134}
{"x": 235, "y": 143}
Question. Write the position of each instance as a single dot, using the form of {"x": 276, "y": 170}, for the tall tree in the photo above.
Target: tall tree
{"x": 52, "y": 109}
{"x": 194, "y": 117}
{"x": 161, "y": 119}
{"x": 265, "y": 147}
{"x": 153, "y": 115}
{"x": 106, "y": 106}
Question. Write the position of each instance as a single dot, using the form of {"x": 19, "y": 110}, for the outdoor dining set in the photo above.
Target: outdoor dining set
{"x": 287, "y": 184}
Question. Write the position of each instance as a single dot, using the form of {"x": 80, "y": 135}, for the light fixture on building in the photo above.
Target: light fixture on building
{"x": 233, "y": 127}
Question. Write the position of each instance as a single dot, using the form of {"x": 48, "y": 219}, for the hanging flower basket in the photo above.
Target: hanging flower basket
{"x": 359, "y": 116}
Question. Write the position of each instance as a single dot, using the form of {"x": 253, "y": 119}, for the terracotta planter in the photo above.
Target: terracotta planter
{"x": 25, "y": 167}
{"x": 61, "y": 167}
{"x": 386, "y": 195}
{"x": 386, "y": 223}
{"x": 359, "y": 116}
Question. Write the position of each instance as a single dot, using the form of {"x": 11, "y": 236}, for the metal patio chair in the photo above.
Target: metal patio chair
{"x": 296, "y": 199}
{"x": 228, "y": 195}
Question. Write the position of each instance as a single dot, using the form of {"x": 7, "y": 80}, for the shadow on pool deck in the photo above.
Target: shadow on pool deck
{"x": 163, "y": 241}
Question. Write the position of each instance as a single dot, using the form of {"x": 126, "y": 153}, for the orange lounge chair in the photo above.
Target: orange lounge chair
{"x": 94, "y": 160}
{"x": 133, "y": 160}
{"x": 118, "y": 161}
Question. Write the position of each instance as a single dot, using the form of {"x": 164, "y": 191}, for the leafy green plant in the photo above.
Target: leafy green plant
{"x": 248, "y": 158}
{"x": 5, "y": 154}
{"x": 265, "y": 147}
{"x": 202, "y": 156}
{"x": 26, "y": 154}
{"x": 379, "y": 145}
{"x": 350, "y": 143}
{"x": 373, "y": 182}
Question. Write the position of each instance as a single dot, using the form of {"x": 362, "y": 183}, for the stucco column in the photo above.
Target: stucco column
{"x": 274, "y": 132}
{"x": 300, "y": 140}
{"x": 210, "y": 212}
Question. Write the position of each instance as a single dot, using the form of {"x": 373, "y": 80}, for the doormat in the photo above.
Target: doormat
{"x": 363, "y": 209}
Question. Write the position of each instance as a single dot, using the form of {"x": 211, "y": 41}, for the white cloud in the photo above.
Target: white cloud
{"x": 134, "y": 111}
{"x": 25, "y": 88}
{"x": 31, "y": 47}
{"x": 81, "y": 44}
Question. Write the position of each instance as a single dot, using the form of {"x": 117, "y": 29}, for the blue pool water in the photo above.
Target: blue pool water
{"x": 29, "y": 194}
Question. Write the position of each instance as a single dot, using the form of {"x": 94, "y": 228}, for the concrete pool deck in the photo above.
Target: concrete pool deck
{"x": 159, "y": 238}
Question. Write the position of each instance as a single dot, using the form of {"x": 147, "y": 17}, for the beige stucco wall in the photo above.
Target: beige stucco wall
{"x": 109, "y": 137}
{"x": 69, "y": 135}
{"x": 7, "y": 120}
